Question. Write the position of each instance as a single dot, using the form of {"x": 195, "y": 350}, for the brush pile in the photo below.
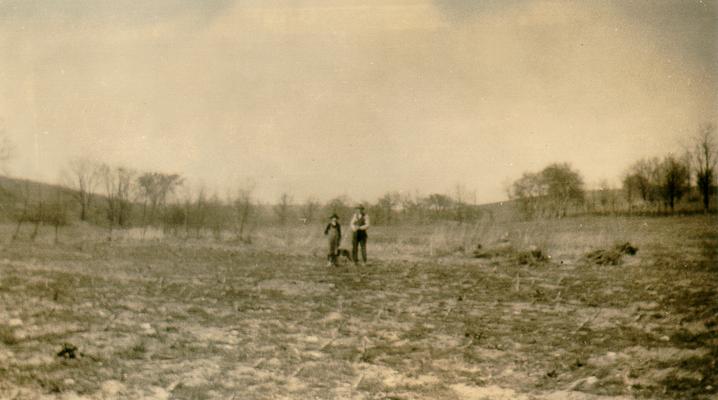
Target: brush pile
{"x": 610, "y": 256}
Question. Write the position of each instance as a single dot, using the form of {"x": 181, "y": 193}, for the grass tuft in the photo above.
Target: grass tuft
{"x": 7, "y": 336}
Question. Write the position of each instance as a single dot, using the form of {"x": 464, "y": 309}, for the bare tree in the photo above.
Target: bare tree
{"x": 386, "y": 205}
{"x": 464, "y": 210}
{"x": 675, "y": 180}
{"x": 174, "y": 218}
{"x": 705, "y": 156}
{"x": 243, "y": 206}
{"x": 606, "y": 196}
{"x": 184, "y": 212}
{"x": 528, "y": 192}
{"x": 553, "y": 191}
{"x": 154, "y": 189}
{"x": 216, "y": 216}
{"x": 340, "y": 206}
{"x": 282, "y": 208}
{"x": 199, "y": 212}
{"x": 118, "y": 186}
{"x": 56, "y": 215}
{"x": 309, "y": 211}
{"x": 643, "y": 180}
{"x": 412, "y": 208}
{"x": 438, "y": 204}
{"x": 631, "y": 189}
{"x": 37, "y": 212}
{"x": 24, "y": 214}
{"x": 83, "y": 175}
{"x": 564, "y": 187}
{"x": 37, "y": 216}
{"x": 125, "y": 191}
{"x": 109, "y": 182}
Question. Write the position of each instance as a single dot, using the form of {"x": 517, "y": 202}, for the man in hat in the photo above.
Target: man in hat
{"x": 359, "y": 225}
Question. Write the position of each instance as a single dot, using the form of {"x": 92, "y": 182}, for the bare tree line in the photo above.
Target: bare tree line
{"x": 656, "y": 183}
{"x": 122, "y": 197}
{"x": 40, "y": 209}
{"x": 119, "y": 197}
{"x": 648, "y": 185}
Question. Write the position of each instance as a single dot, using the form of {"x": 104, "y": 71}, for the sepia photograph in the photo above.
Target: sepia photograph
{"x": 358, "y": 199}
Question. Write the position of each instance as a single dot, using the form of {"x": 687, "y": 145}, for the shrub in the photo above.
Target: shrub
{"x": 610, "y": 256}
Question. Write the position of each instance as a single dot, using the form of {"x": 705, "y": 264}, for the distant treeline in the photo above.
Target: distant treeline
{"x": 684, "y": 183}
{"x": 121, "y": 197}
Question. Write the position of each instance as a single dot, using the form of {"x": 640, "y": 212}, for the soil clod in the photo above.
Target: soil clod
{"x": 68, "y": 351}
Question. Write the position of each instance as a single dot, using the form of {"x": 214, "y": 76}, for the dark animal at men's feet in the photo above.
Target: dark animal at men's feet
{"x": 345, "y": 254}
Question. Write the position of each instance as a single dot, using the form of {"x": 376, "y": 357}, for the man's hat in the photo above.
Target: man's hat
{"x": 334, "y": 216}
{"x": 360, "y": 206}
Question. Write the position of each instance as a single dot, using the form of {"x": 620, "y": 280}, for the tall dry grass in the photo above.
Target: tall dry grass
{"x": 567, "y": 238}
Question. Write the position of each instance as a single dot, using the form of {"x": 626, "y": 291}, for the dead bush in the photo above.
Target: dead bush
{"x": 532, "y": 256}
{"x": 610, "y": 256}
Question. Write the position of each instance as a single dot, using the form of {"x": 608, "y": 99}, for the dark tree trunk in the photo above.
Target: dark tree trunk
{"x": 706, "y": 201}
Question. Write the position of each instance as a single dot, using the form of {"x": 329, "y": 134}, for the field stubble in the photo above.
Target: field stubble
{"x": 198, "y": 319}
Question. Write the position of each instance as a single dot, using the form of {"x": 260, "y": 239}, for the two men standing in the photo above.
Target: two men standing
{"x": 359, "y": 225}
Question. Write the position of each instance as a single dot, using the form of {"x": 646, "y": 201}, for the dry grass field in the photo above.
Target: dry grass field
{"x": 527, "y": 316}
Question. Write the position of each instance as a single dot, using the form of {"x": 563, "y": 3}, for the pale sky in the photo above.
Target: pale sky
{"x": 326, "y": 98}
